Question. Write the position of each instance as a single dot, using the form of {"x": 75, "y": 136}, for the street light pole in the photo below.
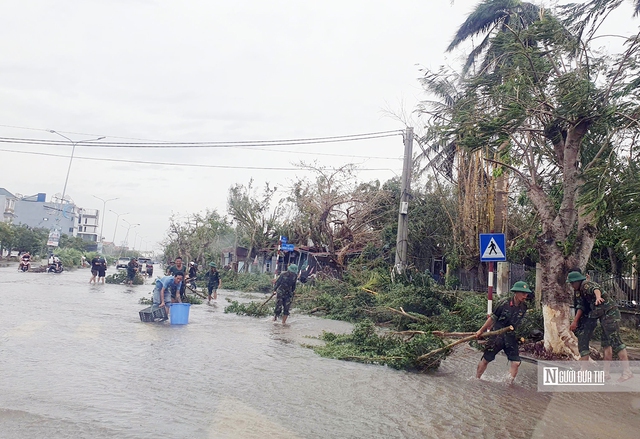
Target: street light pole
{"x": 126, "y": 238}
{"x": 135, "y": 238}
{"x": 118, "y": 215}
{"x": 104, "y": 207}
{"x": 73, "y": 150}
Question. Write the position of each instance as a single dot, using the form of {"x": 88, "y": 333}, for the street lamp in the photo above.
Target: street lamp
{"x": 73, "y": 150}
{"x": 118, "y": 215}
{"x": 126, "y": 238}
{"x": 135, "y": 238}
{"x": 104, "y": 207}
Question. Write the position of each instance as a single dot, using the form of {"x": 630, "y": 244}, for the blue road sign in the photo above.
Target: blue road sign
{"x": 492, "y": 247}
{"x": 287, "y": 247}
{"x": 283, "y": 239}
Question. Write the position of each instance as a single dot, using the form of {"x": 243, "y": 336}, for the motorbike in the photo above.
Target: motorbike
{"x": 24, "y": 266}
{"x": 55, "y": 268}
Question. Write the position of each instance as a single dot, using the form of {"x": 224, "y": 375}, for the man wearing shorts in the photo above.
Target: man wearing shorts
{"x": 102, "y": 268}
{"x": 599, "y": 307}
{"x": 164, "y": 289}
{"x": 508, "y": 312}
{"x": 213, "y": 281}
{"x": 95, "y": 264}
{"x": 132, "y": 269}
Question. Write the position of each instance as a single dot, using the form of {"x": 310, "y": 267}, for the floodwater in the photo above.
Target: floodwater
{"x": 76, "y": 362}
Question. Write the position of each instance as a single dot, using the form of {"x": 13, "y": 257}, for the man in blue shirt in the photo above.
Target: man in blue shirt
{"x": 164, "y": 287}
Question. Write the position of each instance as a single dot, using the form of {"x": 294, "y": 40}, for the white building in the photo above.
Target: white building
{"x": 8, "y": 205}
{"x": 88, "y": 223}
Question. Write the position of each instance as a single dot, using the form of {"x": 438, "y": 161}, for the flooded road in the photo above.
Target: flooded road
{"x": 76, "y": 362}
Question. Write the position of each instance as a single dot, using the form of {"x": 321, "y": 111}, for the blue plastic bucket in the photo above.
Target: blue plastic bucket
{"x": 179, "y": 313}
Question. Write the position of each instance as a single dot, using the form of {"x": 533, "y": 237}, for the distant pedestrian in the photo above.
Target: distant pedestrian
{"x": 193, "y": 275}
{"x": 509, "y": 312}
{"x": 102, "y": 269}
{"x": 132, "y": 269}
{"x": 213, "y": 281}
{"x": 285, "y": 288}
{"x": 95, "y": 263}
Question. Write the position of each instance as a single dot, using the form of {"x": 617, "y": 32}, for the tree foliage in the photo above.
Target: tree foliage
{"x": 550, "y": 108}
{"x": 199, "y": 237}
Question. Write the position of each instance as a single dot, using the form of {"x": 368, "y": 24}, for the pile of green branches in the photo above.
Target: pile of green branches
{"x": 253, "y": 309}
{"x": 120, "y": 277}
{"x": 366, "y": 345}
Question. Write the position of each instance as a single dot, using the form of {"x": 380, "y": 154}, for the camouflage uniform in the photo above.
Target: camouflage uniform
{"x": 285, "y": 286}
{"x": 607, "y": 313}
{"x": 505, "y": 314}
{"x": 586, "y": 325}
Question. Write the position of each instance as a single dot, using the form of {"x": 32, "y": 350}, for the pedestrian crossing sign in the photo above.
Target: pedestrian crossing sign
{"x": 492, "y": 247}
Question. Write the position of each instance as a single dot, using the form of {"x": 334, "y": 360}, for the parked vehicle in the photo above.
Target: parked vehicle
{"x": 122, "y": 262}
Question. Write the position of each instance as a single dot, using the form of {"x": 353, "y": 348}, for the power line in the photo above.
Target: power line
{"x": 142, "y": 162}
{"x": 211, "y": 144}
{"x": 393, "y": 132}
{"x": 324, "y": 154}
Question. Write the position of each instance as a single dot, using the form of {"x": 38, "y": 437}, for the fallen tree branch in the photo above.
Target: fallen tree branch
{"x": 408, "y": 332}
{"x": 369, "y": 291}
{"x": 353, "y": 357}
{"x": 196, "y": 292}
{"x": 402, "y": 312}
{"x": 451, "y": 334}
{"x": 317, "y": 308}
{"x": 463, "y": 340}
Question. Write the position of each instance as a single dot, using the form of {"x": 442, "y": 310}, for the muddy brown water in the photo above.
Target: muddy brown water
{"x": 76, "y": 362}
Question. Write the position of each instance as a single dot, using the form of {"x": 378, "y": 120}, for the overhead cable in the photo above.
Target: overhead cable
{"x": 195, "y": 165}
{"x": 212, "y": 144}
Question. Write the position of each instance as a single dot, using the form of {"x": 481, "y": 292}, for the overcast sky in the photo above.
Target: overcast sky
{"x": 207, "y": 71}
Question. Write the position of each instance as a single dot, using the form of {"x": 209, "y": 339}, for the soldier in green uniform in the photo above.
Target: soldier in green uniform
{"x": 582, "y": 325}
{"x": 284, "y": 287}
{"x": 508, "y": 312}
{"x": 597, "y": 305}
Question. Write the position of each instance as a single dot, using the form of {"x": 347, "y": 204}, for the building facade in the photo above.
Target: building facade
{"x": 8, "y": 204}
{"x": 34, "y": 211}
{"x": 88, "y": 223}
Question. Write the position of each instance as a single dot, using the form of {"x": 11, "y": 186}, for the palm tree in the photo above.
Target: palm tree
{"x": 489, "y": 18}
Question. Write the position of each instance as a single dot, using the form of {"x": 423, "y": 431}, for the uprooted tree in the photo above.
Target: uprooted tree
{"x": 545, "y": 105}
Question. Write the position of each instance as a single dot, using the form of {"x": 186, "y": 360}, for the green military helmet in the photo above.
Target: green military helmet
{"x": 293, "y": 268}
{"x": 212, "y": 264}
{"x": 575, "y": 276}
{"x": 521, "y": 287}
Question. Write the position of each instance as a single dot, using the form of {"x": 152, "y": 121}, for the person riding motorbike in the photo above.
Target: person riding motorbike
{"x": 25, "y": 261}
{"x": 55, "y": 263}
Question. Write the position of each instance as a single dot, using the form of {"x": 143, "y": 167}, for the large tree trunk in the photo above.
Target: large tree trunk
{"x": 556, "y": 300}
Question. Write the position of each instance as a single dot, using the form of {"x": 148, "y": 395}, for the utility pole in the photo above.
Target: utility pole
{"x": 403, "y": 219}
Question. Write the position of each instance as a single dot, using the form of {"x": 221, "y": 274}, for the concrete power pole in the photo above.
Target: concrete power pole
{"x": 403, "y": 219}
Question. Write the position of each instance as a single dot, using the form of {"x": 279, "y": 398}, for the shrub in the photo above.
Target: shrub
{"x": 70, "y": 257}
{"x": 247, "y": 282}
